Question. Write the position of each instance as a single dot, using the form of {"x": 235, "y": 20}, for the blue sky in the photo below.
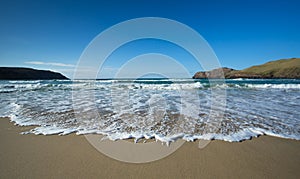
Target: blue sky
{"x": 53, "y": 34}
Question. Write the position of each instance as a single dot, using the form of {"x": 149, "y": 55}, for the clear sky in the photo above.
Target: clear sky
{"x": 53, "y": 34}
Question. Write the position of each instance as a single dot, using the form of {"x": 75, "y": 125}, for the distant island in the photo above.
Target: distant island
{"x": 18, "y": 73}
{"x": 284, "y": 68}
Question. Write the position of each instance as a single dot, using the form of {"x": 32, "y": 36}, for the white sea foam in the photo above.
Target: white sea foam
{"x": 165, "y": 109}
{"x": 282, "y": 86}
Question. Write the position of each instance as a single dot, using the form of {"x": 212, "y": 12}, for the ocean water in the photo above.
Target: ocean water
{"x": 164, "y": 109}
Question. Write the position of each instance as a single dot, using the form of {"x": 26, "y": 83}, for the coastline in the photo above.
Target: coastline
{"x": 36, "y": 156}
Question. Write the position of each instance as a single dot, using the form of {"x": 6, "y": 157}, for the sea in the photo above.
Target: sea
{"x": 156, "y": 108}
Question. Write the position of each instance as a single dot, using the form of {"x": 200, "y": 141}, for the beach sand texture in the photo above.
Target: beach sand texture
{"x": 71, "y": 156}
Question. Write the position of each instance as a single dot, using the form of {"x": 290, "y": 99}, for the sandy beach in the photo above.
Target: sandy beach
{"x": 71, "y": 156}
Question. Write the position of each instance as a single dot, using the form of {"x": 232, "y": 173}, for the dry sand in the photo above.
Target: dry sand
{"x": 71, "y": 156}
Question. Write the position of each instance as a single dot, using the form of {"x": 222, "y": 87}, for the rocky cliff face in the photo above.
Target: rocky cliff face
{"x": 216, "y": 73}
{"x": 12, "y": 73}
{"x": 284, "y": 68}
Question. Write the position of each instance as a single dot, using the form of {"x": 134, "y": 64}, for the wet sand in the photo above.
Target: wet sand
{"x": 71, "y": 156}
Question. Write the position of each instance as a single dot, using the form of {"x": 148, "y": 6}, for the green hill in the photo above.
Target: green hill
{"x": 284, "y": 68}
{"x": 17, "y": 73}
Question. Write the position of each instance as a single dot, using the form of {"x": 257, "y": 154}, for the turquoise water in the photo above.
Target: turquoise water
{"x": 165, "y": 109}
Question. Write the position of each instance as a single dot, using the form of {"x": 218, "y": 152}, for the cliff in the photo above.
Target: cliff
{"x": 15, "y": 73}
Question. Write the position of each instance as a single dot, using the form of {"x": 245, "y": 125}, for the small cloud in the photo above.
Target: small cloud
{"x": 49, "y": 63}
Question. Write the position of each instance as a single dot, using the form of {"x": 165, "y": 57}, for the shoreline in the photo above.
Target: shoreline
{"x": 36, "y": 156}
